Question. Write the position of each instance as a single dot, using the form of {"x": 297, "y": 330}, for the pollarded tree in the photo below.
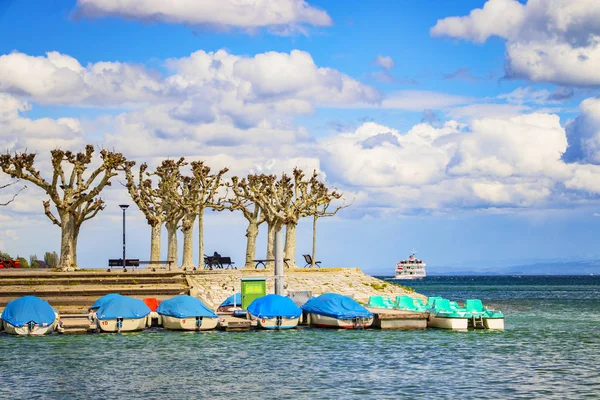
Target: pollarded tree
{"x": 169, "y": 191}
{"x": 311, "y": 197}
{"x": 74, "y": 197}
{"x": 201, "y": 190}
{"x": 242, "y": 200}
{"x": 274, "y": 197}
{"x": 320, "y": 209}
{"x": 147, "y": 198}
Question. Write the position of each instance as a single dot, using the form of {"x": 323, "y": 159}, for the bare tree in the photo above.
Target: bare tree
{"x": 207, "y": 187}
{"x": 169, "y": 191}
{"x": 307, "y": 194}
{"x": 274, "y": 197}
{"x": 242, "y": 201}
{"x": 75, "y": 198}
{"x": 14, "y": 195}
{"x": 320, "y": 209}
{"x": 148, "y": 200}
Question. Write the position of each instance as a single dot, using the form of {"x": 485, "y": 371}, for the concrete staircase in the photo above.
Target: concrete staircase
{"x": 74, "y": 292}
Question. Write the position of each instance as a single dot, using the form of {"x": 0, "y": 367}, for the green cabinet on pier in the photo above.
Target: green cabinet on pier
{"x": 252, "y": 288}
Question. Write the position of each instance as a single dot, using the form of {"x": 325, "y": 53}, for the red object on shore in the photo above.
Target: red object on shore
{"x": 10, "y": 264}
{"x": 152, "y": 303}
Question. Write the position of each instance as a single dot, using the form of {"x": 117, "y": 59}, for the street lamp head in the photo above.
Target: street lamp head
{"x": 123, "y": 206}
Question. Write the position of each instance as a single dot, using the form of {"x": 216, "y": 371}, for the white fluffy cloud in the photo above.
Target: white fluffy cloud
{"x": 17, "y": 132}
{"x": 201, "y": 87}
{"x": 584, "y": 133}
{"x": 511, "y": 161}
{"x": 547, "y": 41}
{"x": 385, "y": 62}
{"x": 282, "y": 16}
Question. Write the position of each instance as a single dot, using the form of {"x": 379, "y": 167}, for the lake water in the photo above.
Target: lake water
{"x": 550, "y": 349}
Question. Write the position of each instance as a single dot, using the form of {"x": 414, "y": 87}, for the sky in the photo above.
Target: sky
{"x": 468, "y": 131}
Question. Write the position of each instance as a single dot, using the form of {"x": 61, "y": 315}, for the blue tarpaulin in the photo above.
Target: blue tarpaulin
{"x": 185, "y": 307}
{"x": 103, "y": 300}
{"x": 229, "y": 301}
{"x": 122, "y": 307}
{"x": 336, "y": 306}
{"x": 27, "y": 309}
{"x": 274, "y": 305}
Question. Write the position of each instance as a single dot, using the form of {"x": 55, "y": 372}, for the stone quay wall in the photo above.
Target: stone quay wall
{"x": 213, "y": 287}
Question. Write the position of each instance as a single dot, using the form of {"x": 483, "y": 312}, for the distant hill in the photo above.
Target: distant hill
{"x": 585, "y": 267}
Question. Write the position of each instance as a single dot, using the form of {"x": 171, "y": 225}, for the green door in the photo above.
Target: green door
{"x": 252, "y": 288}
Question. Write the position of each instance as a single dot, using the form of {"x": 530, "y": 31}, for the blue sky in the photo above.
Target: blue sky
{"x": 467, "y": 120}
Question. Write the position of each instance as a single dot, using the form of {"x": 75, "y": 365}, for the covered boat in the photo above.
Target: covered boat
{"x": 230, "y": 303}
{"x": 103, "y": 300}
{"x": 444, "y": 315}
{"x": 122, "y": 314}
{"x": 483, "y": 317}
{"x": 332, "y": 310}
{"x": 29, "y": 315}
{"x": 187, "y": 313}
{"x": 274, "y": 311}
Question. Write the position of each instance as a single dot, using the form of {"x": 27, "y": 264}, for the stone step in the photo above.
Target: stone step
{"x": 115, "y": 272}
{"x": 121, "y": 280}
{"x": 70, "y": 295}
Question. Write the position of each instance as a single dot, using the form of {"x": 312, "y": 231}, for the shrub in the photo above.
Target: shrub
{"x": 51, "y": 259}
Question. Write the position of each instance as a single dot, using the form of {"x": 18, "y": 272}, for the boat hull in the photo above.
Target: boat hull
{"x": 323, "y": 321}
{"x": 37, "y": 330}
{"x": 271, "y": 323}
{"x": 408, "y": 277}
{"x": 458, "y": 324}
{"x": 496, "y": 324}
{"x": 127, "y": 324}
{"x": 189, "y": 323}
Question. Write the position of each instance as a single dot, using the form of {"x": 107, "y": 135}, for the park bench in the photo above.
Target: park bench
{"x": 134, "y": 262}
{"x": 308, "y": 260}
{"x": 211, "y": 262}
{"x": 264, "y": 262}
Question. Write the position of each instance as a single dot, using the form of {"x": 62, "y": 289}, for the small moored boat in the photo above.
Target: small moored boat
{"x": 231, "y": 303}
{"x": 483, "y": 317}
{"x": 444, "y": 316}
{"x": 331, "y": 310}
{"x": 187, "y": 313}
{"x": 274, "y": 311}
{"x": 29, "y": 316}
{"x": 122, "y": 314}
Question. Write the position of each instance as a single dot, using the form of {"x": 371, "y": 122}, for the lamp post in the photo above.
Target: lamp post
{"x": 124, "y": 207}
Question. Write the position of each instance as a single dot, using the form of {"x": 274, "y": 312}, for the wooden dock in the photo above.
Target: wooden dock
{"x": 399, "y": 319}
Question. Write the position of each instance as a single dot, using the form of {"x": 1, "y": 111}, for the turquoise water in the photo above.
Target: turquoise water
{"x": 550, "y": 349}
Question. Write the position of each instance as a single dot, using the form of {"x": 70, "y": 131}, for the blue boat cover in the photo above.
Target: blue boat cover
{"x": 185, "y": 307}
{"x": 122, "y": 307}
{"x": 336, "y": 306}
{"x": 229, "y": 301}
{"x": 103, "y": 300}
{"x": 27, "y": 309}
{"x": 274, "y": 305}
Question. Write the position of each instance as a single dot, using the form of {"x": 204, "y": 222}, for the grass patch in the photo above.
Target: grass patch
{"x": 73, "y": 283}
{"x": 378, "y": 286}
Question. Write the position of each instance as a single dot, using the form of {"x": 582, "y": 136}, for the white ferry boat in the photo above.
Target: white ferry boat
{"x": 412, "y": 268}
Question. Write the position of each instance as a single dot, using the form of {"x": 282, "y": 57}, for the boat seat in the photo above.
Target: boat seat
{"x": 380, "y": 302}
{"x": 431, "y": 300}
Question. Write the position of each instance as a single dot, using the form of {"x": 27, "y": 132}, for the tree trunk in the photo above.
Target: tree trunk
{"x": 74, "y": 245}
{"x": 290, "y": 243}
{"x": 172, "y": 245}
{"x": 201, "y": 238}
{"x": 270, "y": 244}
{"x": 251, "y": 234}
{"x": 314, "y": 246}
{"x": 67, "y": 242}
{"x": 188, "y": 240}
{"x": 155, "y": 242}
